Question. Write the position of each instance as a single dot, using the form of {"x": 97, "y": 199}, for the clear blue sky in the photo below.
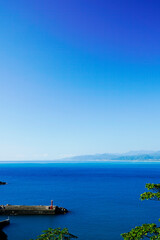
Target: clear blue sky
{"x": 78, "y": 77}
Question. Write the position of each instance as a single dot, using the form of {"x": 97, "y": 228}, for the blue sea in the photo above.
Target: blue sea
{"x": 103, "y": 198}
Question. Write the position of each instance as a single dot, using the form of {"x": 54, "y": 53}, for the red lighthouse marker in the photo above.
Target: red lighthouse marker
{"x": 51, "y": 204}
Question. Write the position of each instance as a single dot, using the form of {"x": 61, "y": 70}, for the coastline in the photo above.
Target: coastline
{"x": 75, "y": 162}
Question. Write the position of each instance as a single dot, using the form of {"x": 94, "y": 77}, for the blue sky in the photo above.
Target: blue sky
{"x": 78, "y": 77}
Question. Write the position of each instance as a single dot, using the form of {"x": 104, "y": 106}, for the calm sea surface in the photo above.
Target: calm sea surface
{"x": 103, "y": 198}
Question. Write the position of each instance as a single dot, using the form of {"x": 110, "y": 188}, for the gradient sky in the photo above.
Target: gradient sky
{"x": 78, "y": 77}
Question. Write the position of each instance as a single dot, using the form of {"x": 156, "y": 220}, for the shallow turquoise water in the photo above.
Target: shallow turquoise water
{"x": 103, "y": 198}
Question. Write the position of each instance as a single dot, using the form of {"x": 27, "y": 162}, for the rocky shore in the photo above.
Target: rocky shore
{"x": 4, "y": 223}
{"x": 3, "y": 236}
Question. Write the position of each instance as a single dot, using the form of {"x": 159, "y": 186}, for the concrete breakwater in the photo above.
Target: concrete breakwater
{"x": 31, "y": 210}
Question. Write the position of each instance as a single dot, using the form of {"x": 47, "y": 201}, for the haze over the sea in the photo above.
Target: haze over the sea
{"x": 131, "y": 157}
{"x": 78, "y": 78}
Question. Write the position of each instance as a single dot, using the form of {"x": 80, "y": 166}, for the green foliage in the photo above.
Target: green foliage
{"x": 56, "y": 234}
{"x": 153, "y": 186}
{"x": 150, "y": 231}
{"x": 145, "y": 231}
{"x": 154, "y": 195}
{"x": 150, "y": 196}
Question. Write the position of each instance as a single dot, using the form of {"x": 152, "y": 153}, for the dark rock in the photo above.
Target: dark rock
{"x": 3, "y": 183}
{"x": 3, "y": 236}
{"x": 61, "y": 210}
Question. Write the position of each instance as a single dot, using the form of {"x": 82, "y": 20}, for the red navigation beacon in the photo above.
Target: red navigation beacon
{"x": 51, "y": 204}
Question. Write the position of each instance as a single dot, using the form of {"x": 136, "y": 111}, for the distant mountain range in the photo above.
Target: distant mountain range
{"x": 129, "y": 156}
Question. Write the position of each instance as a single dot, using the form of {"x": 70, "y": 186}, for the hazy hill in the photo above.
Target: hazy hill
{"x": 132, "y": 156}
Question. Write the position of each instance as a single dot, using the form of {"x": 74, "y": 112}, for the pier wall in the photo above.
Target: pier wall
{"x": 30, "y": 210}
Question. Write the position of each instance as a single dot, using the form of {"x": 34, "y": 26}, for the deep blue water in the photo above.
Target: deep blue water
{"x": 103, "y": 197}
